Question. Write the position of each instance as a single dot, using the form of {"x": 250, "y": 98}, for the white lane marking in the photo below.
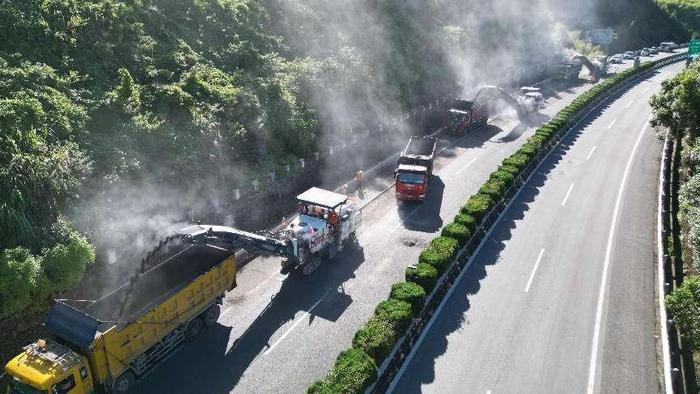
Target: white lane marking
{"x": 295, "y": 324}
{"x": 612, "y": 123}
{"x": 488, "y": 391}
{"x": 629, "y": 104}
{"x": 534, "y": 269}
{"x": 465, "y": 167}
{"x": 646, "y": 90}
{"x": 590, "y": 153}
{"x": 567, "y": 195}
{"x": 666, "y": 353}
{"x": 606, "y": 264}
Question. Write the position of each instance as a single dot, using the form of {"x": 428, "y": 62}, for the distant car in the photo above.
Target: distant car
{"x": 629, "y": 55}
{"x": 616, "y": 58}
{"x": 644, "y": 53}
{"x": 668, "y": 46}
{"x": 654, "y": 50}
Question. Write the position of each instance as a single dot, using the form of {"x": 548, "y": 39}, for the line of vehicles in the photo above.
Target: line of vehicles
{"x": 667, "y": 46}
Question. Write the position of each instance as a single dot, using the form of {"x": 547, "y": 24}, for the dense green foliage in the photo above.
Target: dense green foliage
{"x": 677, "y": 108}
{"x": 354, "y": 370}
{"x": 457, "y": 231}
{"x": 423, "y": 274}
{"x": 439, "y": 252}
{"x": 410, "y": 292}
{"x": 687, "y": 12}
{"x": 684, "y": 305}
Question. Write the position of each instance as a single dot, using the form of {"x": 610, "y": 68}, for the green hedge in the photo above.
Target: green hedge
{"x": 477, "y": 206}
{"x": 494, "y": 188}
{"x": 466, "y": 220}
{"x": 353, "y": 372}
{"x": 457, "y": 231}
{"x": 439, "y": 253}
{"x": 504, "y": 176}
{"x": 398, "y": 313}
{"x": 376, "y": 338}
{"x": 517, "y": 160}
{"x": 410, "y": 292}
{"x": 423, "y": 274}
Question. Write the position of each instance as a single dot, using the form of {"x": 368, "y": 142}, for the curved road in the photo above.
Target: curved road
{"x": 562, "y": 297}
{"x": 278, "y": 334}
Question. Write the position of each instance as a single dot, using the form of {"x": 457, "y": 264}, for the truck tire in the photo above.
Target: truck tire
{"x": 311, "y": 266}
{"x": 194, "y": 327}
{"x": 124, "y": 382}
{"x": 211, "y": 315}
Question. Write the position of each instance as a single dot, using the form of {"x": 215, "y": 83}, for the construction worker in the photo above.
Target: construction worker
{"x": 360, "y": 180}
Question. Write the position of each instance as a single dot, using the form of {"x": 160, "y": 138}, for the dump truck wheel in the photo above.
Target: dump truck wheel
{"x": 211, "y": 315}
{"x": 194, "y": 328}
{"x": 311, "y": 266}
{"x": 124, "y": 382}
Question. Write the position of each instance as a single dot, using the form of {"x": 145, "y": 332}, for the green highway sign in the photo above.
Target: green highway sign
{"x": 694, "y": 47}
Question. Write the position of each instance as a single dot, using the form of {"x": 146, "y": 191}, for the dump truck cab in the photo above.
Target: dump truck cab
{"x": 414, "y": 168}
{"x": 47, "y": 366}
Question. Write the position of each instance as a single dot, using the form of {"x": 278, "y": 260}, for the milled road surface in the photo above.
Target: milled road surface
{"x": 278, "y": 334}
{"x": 524, "y": 316}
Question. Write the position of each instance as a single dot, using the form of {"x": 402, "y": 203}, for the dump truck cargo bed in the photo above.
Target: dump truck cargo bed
{"x": 118, "y": 332}
{"x": 175, "y": 270}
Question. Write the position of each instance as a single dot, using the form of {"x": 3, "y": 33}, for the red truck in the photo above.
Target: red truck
{"x": 414, "y": 168}
{"x": 465, "y": 115}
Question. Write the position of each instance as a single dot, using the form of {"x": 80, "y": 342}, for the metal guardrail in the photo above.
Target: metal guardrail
{"x": 405, "y": 345}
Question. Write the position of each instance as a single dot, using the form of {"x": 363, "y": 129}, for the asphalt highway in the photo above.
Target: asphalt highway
{"x": 280, "y": 333}
{"x": 561, "y": 298}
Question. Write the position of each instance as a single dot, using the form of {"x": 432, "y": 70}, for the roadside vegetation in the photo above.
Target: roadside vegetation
{"x": 687, "y": 12}
{"x": 677, "y": 109}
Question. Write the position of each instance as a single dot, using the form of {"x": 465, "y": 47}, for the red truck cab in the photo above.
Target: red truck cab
{"x": 414, "y": 167}
{"x": 411, "y": 182}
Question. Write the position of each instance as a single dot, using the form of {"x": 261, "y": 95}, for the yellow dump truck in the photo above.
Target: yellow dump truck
{"x": 109, "y": 343}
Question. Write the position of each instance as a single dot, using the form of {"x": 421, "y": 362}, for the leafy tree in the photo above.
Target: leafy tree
{"x": 684, "y": 305}
{"x": 19, "y": 280}
{"x": 677, "y": 106}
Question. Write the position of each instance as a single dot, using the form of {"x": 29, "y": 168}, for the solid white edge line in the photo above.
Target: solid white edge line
{"x": 606, "y": 263}
{"x": 612, "y": 123}
{"x": 534, "y": 269}
{"x": 568, "y": 193}
{"x": 590, "y": 153}
{"x": 665, "y": 349}
{"x": 303, "y": 316}
{"x": 465, "y": 167}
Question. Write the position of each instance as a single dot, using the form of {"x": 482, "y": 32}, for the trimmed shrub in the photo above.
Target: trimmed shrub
{"x": 410, "y": 292}
{"x": 528, "y": 150}
{"x": 439, "y": 253}
{"x": 376, "y": 338}
{"x": 503, "y": 176}
{"x": 494, "y": 188}
{"x": 424, "y": 274}
{"x": 511, "y": 169}
{"x": 64, "y": 264}
{"x": 20, "y": 273}
{"x": 477, "y": 206}
{"x": 353, "y": 372}
{"x": 466, "y": 220}
{"x": 397, "y": 312}
{"x": 457, "y": 231}
{"x": 516, "y": 160}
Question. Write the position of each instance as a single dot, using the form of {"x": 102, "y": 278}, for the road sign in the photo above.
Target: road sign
{"x": 600, "y": 36}
{"x": 694, "y": 47}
